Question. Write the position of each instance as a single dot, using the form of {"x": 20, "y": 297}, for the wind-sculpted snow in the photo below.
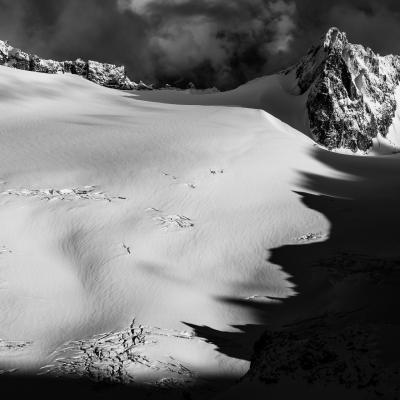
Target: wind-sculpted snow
{"x": 351, "y": 92}
{"x": 103, "y": 74}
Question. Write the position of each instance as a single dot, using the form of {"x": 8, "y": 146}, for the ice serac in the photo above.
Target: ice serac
{"x": 104, "y": 74}
{"x": 351, "y": 92}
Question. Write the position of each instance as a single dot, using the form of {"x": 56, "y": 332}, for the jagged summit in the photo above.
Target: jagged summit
{"x": 104, "y": 74}
{"x": 334, "y": 39}
{"x": 350, "y": 89}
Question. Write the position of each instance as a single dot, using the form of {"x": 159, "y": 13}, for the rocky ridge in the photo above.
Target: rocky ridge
{"x": 350, "y": 89}
{"x": 104, "y": 74}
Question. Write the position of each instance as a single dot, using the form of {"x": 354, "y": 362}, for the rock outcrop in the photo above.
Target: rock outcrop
{"x": 103, "y": 74}
{"x": 109, "y": 75}
{"x": 351, "y": 92}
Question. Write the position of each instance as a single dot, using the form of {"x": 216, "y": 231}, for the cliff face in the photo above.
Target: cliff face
{"x": 104, "y": 74}
{"x": 351, "y": 89}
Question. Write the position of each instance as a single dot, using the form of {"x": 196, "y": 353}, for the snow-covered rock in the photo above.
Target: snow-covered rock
{"x": 18, "y": 59}
{"x": 109, "y": 75}
{"x": 38, "y": 64}
{"x": 79, "y": 67}
{"x": 143, "y": 86}
{"x": 4, "y": 49}
{"x": 350, "y": 92}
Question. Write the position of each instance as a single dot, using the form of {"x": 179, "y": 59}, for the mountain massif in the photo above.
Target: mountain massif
{"x": 351, "y": 91}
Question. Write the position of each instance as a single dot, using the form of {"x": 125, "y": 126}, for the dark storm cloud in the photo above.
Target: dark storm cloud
{"x": 373, "y": 23}
{"x": 67, "y": 29}
{"x": 210, "y": 42}
{"x": 214, "y": 41}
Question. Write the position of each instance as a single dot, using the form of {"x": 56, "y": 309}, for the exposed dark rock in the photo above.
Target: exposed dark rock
{"x": 79, "y": 67}
{"x": 37, "y": 64}
{"x": 3, "y": 52}
{"x": 18, "y": 59}
{"x": 68, "y": 66}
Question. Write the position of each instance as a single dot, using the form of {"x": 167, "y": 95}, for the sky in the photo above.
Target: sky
{"x": 221, "y": 43}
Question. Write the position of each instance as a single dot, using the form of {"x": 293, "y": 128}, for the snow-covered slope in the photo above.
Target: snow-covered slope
{"x": 192, "y": 191}
{"x": 187, "y": 217}
{"x": 267, "y": 93}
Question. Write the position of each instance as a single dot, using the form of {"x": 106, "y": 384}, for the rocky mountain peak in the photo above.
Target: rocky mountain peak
{"x": 350, "y": 92}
